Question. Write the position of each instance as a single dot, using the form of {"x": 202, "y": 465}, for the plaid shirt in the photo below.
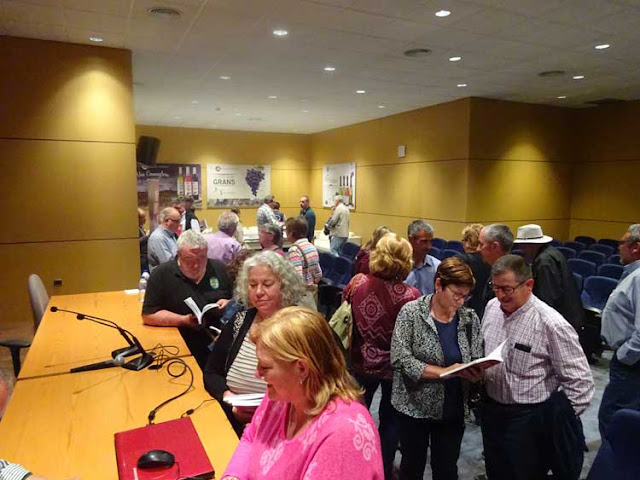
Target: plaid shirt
{"x": 542, "y": 353}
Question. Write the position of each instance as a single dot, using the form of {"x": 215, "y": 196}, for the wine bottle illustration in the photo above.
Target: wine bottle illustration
{"x": 187, "y": 183}
{"x": 195, "y": 186}
{"x": 180, "y": 183}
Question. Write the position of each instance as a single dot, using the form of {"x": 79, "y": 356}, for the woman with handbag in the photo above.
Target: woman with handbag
{"x": 433, "y": 333}
{"x": 376, "y": 298}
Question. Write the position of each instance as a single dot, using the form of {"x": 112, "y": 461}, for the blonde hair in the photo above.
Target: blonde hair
{"x": 471, "y": 234}
{"x": 376, "y": 236}
{"x": 391, "y": 260}
{"x": 299, "y": 333}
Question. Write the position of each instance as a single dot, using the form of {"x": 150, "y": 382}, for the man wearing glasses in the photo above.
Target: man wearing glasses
{"x": 544, "y": 371}
{"x": 162, "y": 245}
{"x": 621, "y": 330}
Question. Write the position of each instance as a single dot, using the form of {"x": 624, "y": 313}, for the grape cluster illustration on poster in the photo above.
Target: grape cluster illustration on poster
{"x": 237, "y": 185}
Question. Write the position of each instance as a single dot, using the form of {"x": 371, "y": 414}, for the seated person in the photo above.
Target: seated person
{"x": 191, "y": 274}
{"x": 266, "y": 283}
{"x": 311, "y": 424}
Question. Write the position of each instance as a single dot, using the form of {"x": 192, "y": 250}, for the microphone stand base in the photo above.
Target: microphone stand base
{"x": 143, "y": 361}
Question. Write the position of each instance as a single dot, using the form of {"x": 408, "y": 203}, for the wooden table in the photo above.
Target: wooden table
{"x": 63, "y": 342}
{"x": 62, "y": 426}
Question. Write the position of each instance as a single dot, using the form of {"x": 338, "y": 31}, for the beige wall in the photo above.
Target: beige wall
{"x": 430, "y": 182}
{"x": 520, "y": 161}
{"x": 606, "y": 187}
{"x": 288, "y": 155}
{"x": 67, "y": 152}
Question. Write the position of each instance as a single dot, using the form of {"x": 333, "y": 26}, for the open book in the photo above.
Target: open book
{"x": 490, "y": 360}
{"x": 244, "y": 400}
{"x": 196, "y": 310}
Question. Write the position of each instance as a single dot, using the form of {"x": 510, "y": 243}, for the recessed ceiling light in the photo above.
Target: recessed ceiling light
{"x": 304, "y": 111}
{"x": 272, "y": 97}
{"x": 238, "y": 114}
{"x": 165, "y": 12}
{"x": 361, "y": 91}
{"x": 96, "y": 39}
{"x": 329, "y": 69}
{"x": 417, "y": 52}
{"x": 461, "y": 85}
{"x": 224, "y": 77}
{"x": 602, "y": 46}
{"x": 177, "y": 117}
{"x": 562, "y": 96}
{"x": 443, "y": 13}
{"x": 195, "y": 102}
{"x": 455, "y": 59}
{"x": 382, "y": 106}
{"x": 280, "y": 32}
{"x": 578, "y": 77}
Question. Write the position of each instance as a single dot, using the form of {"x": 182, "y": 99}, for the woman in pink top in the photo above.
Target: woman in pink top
{"x": 311, "y": 425}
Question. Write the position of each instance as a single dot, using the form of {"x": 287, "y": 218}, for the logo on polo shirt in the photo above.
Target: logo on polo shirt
{"x": 213, "y": 281}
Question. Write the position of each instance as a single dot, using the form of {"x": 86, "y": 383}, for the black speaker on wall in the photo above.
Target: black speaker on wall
{"x": 147, "y": 150}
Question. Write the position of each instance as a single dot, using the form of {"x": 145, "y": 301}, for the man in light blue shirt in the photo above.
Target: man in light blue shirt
{"x": 162, "y": 245}
{"x": 621, "y": 330}
{"x": 422, "y": 274}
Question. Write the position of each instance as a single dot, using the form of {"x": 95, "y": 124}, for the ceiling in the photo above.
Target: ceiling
{"x": 504, "y": 44}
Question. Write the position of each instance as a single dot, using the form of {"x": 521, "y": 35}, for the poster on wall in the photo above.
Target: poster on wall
{"x": 237, "y": 185}
{"x": 159, "y": 185}
{"x": 339, "y": 179}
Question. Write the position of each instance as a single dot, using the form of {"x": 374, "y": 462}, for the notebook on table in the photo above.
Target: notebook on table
{"x": 178, "y": 437}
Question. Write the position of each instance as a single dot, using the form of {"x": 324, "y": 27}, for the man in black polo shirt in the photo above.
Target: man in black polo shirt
{"x": 191, "y": 274}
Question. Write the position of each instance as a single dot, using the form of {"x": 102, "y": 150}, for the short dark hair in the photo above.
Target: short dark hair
{"x": 297, "y": 227}
{"x": 512, "y": 263}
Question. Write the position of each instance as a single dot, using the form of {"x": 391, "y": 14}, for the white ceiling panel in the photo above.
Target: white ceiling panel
{"x": 504, "y": 44}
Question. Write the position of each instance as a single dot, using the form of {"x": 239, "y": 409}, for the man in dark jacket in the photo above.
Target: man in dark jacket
{"x": 554, "y": 282}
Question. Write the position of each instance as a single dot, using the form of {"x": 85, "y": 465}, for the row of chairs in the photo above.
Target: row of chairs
{"x": 599, "y": 258}
{"x": 595, "y": 290}
{"x": 336, "y": 270}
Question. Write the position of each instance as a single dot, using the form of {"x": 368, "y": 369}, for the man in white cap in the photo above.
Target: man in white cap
{"x": 554, "y": 282}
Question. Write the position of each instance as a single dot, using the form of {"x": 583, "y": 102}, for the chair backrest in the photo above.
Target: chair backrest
{"x": 615, "y": 259}
{"x": 593, "y": 256}
{"x": 579, "y": 281}
{"x": 343, "y": 270}
{"x": 618, "y": 457}
{"x": 440, "y": 243}
{"x": 567, "y": 252}
{"x": 583, "y": 267}
{"x": 596, "y": 291}
{"x": 555, "y": 243}
{"x": 326, "y": 262}
{"x": 585, "y": 239}
{"x": 447, "y": 252}
{"x": 610, "y": 242}
{"x": 350, "y": 250}
{"x": 610, "y": 270}
{"x": 517, "y": 251}
{"x": 606, "y": 249}
{"x": 435, "y": 252}
{"x": 39, "y": 299}
{"x": 455, "y": 245}
{"x": 577, "y": 246}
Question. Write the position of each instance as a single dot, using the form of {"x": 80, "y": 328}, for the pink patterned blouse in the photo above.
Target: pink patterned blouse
{"x": 341, "y": 442}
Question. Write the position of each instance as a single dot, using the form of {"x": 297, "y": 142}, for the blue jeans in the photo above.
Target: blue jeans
{"x": 336, "y": 244}
{"x": 623, "y": 391}
{"x": 388, "y": 428}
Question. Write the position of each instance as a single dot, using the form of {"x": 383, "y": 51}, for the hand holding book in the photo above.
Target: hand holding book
{"x": 471, "y": 370}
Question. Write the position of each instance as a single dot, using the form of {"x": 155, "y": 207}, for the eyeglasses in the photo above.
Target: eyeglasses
{"x": 174, "y": 220}
{"x": 458, "y": 296}
{"x": 506, "y": 289}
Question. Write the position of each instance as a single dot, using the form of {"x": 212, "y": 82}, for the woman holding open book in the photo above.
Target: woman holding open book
{"x": 266, "y": 284}
{"x": 433, "y": 333}
{"x": 311, "y": 425}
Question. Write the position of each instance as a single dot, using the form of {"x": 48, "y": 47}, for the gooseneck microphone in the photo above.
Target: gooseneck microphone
{"x": 135, "y": 347}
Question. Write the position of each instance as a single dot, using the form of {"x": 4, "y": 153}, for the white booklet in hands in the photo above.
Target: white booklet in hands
{"x": 490, "y": 360}
{"x": 196, "y": 310}
{"x": 244, "y": 400}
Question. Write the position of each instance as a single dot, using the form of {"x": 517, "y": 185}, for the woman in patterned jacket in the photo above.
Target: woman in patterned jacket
{"x": 311, "y": 425}
{"x": 433, "y": 333}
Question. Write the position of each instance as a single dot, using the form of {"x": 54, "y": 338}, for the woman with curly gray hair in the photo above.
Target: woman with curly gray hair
{"x": 266, "y": 284}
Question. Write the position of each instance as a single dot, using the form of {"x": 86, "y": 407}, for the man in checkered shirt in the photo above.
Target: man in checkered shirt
{"x": 542, "y": 355}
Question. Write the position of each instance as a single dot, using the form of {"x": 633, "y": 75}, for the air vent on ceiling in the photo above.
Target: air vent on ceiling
{"x": 165, "y": 12}
{"x": 552, "y": 73}
{"x": 418, "y": 52}
{"x": 605, "y": 101}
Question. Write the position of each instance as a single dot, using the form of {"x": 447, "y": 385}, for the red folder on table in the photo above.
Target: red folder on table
{"x": 178, "y": 437}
